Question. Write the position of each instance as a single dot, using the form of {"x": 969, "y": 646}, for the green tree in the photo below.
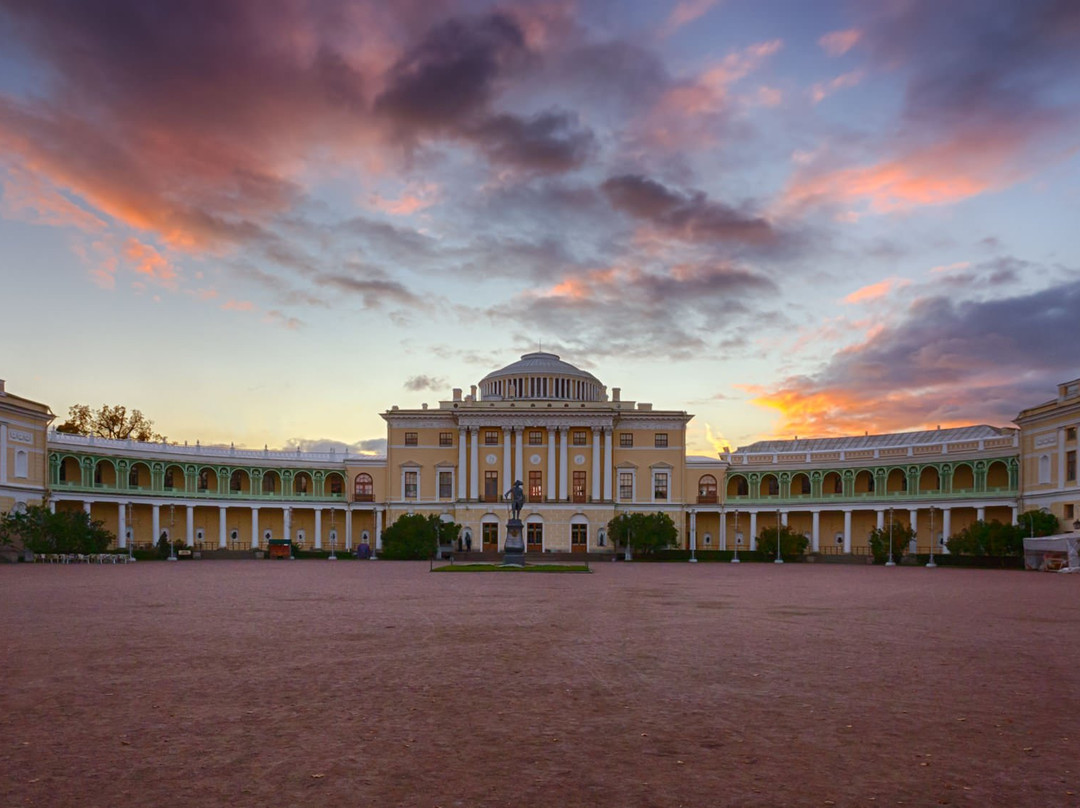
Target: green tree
{"x": 1045, "y": 523}
{"x": 644, "y": 532}
{"x": 416, "y": 536}
{"x": 109, "y": 422}
{"x": 791, "y": 543}
{"x": 41, "y": 531}
{"x": 988, "y": 539}
{"x": 879, "y": 542}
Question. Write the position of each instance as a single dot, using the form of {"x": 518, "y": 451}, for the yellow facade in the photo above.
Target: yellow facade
{"x": 583, "y": 455}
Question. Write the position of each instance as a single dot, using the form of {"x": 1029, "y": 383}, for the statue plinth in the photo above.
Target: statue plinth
{"x": 514, "y": 547}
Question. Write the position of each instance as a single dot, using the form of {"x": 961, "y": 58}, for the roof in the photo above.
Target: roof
{"x": 540, "y": 363}
{"x": 962, "y": 433}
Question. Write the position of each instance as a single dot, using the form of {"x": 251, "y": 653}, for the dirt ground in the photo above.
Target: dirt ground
{"x": 312, "y": 683}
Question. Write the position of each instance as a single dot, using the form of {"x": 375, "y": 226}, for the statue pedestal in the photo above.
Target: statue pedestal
{"x": 514, "y": 547}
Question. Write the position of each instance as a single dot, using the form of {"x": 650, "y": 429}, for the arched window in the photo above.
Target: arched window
{"x": 364, "y": 488}
{"x": 269, "y": 482}
{"x": 236, "y": 480}
{"x": 337, "y": 487}
{"x": 707, "y": 489}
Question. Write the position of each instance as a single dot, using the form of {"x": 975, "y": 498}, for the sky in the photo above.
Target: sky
{"x": 265, "y": 222}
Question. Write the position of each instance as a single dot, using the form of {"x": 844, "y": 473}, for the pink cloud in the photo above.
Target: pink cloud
{"x": 877, "y": 290}
{"x": 686, "y": 11}
{"x": 822, "y": 90}
{"x": 837, "y": 43}
{"x": 238, "y": 305}
{"x": 30, "y": 198}
{"x": 146, "y": 260}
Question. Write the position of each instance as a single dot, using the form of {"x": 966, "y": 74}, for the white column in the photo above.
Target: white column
{"x": 121, "y": 521}
{"x": 1061, "y": 457}
{"x": 86, "y": 506}
{"x": 783, "y": 518}
{"x": 1015, "y": 515}
{"x": 222, "y": 529}
{"x": 378, "y": 529}
{"x": 847, "y": 531}
{"x": 549, "y": 493}
{"x": 254, "y": 528}
{"x": 946, "y": 528}
{"x": 519, "y": 457}
{"x": 189, "y": 530}
{"x": 880, "y": 519}
{"x": 693, "y": 530}
{"x": 721, "y": 540}
{"x": 474, "y": 468}
{"x": 348, "y": 530}
{"x": 318, "y": 528}
{"x": 287, "y": 514}
{"x": 913, "y": 515}
{"x": 596, "y": 464}
{"x": 463, "y": 480}
{"x": 815, "y": 531}
{"x": 608, "y": 466}
{"x": 507, "y": 480}
{"x": 753, "y": 530}
{"x": 980, "y": 514}
{"x": 564, "y": 460}
{"x": 155, "y": 524}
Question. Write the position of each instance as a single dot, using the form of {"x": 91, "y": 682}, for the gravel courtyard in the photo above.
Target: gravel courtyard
{"x": 309, "y": 683}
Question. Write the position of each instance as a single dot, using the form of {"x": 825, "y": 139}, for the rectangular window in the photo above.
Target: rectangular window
{"x": 1070, "y": 512}
{"x": 410, "y": 439}
{"x": 579, "y": 536}
{"x": 626, "y": 440}
{"x": 133, "y": 477}
{"x": 491, "y": 437}
{"x": 580, "y": 438}
{"x": 97, "y": 474}
{"x": 1070, "y": 467}
{"x": 534, "y": 537}
{"x": 660, "y": 441}
{"x": 536, "y": 486}
{"x": 412, "y": 484}
{"x": 536, "y": 438}
{"x": 579, "y": 487}
{"x": 446, "y": 485}
{"x": 660, "y": 485}
{"x": 446, "y": 438}
{"x": 491, "y": 486}
{"x": 1070, "y": 433}
{"x": 626, "y": 485}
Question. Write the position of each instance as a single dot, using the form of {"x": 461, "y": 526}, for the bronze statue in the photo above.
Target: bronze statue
{"x": 516, "y": 497}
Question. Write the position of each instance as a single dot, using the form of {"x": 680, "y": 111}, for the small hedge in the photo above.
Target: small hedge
{"x": 980, "y": 562}
{"x": 714, "y": 555}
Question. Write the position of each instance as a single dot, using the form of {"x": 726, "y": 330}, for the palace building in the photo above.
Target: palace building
{"x": 583, "y": 454}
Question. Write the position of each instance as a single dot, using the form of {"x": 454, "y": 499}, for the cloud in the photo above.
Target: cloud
{"x": 822, "y": 90}
{"x": 675, "y": 310}
{"x": 875, "y": 291}
{"x": 424, "y": 382}
{"x": 837, "y": 43}
{"x": 944, "y": 362}
{"x": 550, "y": 142}
{"x": 982, "y": 105}
{"x": 690, "y": 217}
{"x": 372, "y": 286}
{"x": 373, "y": 447}
{"x": 685, "y": 12}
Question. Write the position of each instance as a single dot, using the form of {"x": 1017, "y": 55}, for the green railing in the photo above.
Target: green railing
{"x": 870, "y": 496}
{"x": 133, "y": 491}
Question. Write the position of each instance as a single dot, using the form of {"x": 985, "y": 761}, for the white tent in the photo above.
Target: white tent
{"x": 1060, "y": 553}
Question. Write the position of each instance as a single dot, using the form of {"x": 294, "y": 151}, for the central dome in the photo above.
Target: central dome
{"x": 541, "y": 375}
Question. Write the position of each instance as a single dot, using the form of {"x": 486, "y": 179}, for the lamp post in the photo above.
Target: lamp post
{"x": 735, "y": 558}
{"x": 778, "y": 560}
{"x": 933, "y": 539}
{"x": 172, "y": 542}
{"x": 890, "y": 562}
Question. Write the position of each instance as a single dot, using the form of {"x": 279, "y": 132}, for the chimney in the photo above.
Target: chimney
{"x": 616, "y": 393}
{"x": 2, "y": 392}
{"x": 423, "y": 406}
{"x": 472, "y": 392}
{"x": 457, "y": 394}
